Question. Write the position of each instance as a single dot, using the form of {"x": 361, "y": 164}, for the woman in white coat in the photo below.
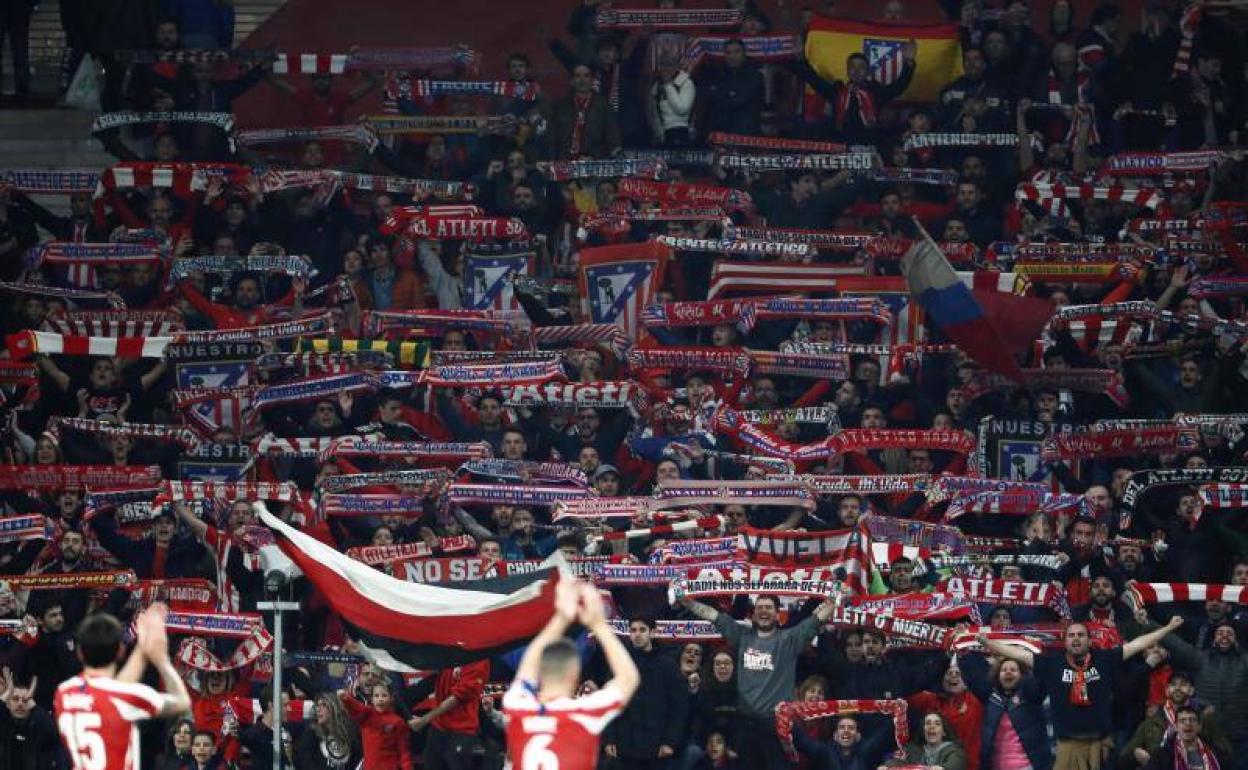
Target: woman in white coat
{"x": 671, "y": 106}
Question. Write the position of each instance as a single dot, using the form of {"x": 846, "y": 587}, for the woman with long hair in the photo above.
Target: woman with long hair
{"x": 331, "y": 741}
{"x": 177, "y": 751}
{"x": 1014, "y": 735}
{"x": 934, "y": 746}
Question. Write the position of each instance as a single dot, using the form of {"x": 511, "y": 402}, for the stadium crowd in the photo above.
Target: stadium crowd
{"x": 895, "y": 411}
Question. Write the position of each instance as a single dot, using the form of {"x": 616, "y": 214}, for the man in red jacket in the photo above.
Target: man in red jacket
{"x": 452, "y": 742}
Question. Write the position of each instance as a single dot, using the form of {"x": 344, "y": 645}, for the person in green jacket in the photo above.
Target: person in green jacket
{"x": 1148, "y": 737}
{"x": 936, "y": 747}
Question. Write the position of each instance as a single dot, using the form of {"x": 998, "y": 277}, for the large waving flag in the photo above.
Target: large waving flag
{"x": 618, "y": 282}
{"x": 938, "y": 59}
{"x": 423, "y": 626}
{"x": 950, "y": 303}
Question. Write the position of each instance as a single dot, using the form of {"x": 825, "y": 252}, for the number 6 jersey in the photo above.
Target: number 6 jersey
{"x": 559, "y": 735}
{"x": 98, "y": 717}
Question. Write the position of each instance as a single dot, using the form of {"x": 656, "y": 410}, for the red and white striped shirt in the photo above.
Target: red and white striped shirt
{"x": 98, "y": 721}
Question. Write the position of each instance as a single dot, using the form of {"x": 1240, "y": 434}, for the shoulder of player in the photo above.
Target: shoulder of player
{"x": 114, "y": 687}
{"x": 71, "y": 684}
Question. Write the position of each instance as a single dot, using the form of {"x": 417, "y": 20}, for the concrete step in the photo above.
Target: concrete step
{"x": 47, "y": 40}
{"x": 56, "y": 159}
{"x": 35, "y": 119}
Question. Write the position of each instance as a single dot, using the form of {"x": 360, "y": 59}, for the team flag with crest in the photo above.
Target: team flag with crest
{"x": 938, "y": 57}
{"x": 617, "y": 282}
{"x": 487, "y": 279}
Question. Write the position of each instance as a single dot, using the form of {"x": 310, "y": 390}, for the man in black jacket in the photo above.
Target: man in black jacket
{"x": 651, "y": 729}
{"x": 156, "y": 558}
{"x": 734, "y": 94}
{"x": 856, "y": 104}
{"x": 28, "y": 739}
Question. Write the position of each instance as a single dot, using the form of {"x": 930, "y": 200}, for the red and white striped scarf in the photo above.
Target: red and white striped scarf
{"x": 1166, "y": 593}
{"x": 194, "y": 653}
{"x": 181, "y": 178}
{"x": 1040, "y": 192}
{"x": 310, "y": 63}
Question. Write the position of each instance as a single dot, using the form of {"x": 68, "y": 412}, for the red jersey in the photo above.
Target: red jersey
{"x": 560, "y": 735}
{"x": 466, "y": 684}
{"x": 98, "y": 717}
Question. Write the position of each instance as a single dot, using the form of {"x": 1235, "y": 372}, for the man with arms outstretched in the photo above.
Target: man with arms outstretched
{"x": 547, "y": 727}
{"x": 1079, "y": 682}
{"x": 97, "y": 712}
{"x": 766, "y": 657}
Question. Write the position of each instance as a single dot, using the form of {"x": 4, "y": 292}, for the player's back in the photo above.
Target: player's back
{"x": 562, "y": 734}
{"x": 98, "y": 720}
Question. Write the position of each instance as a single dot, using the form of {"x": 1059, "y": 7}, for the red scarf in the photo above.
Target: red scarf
{"x": 1079, "y": 687}
{"x": 853, "y": 93}
{"x": 1207, "y": 757}
{"x": 581, "y": 103}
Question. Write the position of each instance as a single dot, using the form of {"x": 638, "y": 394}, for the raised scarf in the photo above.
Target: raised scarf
{"x": 564, "y": 170}
{"x": 40, "y": 290}
{"x": 666, "y": 18}
{"x": 789, "y": 712}
{"x": 784, "y": 249}
{"x": 427, "y": 478}
{"x": 498, "y": 125}
{"x": 148, "y": 431}
{"x": 600, "y": 395}
{"x": 194, "y": 653}
{"x": 1147, "y": 197}
{"x": 950, "y": 139}
{"x": 34, "y": 181}
{"x": 1162, "y": 439}
{"x": 851, "y": 161}
{"x": 824, "y": 240}
{"x": 676, "y": 194}
{"x": 115, "y": 323}
{"x": 353, "y": 134}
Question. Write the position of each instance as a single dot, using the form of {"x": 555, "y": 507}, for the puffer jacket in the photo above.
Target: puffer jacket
{"x": 1024, "y": 708}
{"x": 1221, "y": 680}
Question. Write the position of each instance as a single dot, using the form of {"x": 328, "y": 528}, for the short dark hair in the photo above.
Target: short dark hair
{"x": 877, "y": 633}
{"x": 1103, "y": 13}
{"x": 493, "y": 395}
{"x": 209, "y": 733}
{"x": 775, "y": 600}
{"x": 1091, "y": 522}
{"x": 734, "y": 41}
{"x": 557, "y": 656}
{"x": 99, "y": 640}
{"x": 520, "y": 57}
{"x": 646, "y": 620}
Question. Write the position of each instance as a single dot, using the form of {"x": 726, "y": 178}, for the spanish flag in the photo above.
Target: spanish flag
{"x": 938, "y": 58}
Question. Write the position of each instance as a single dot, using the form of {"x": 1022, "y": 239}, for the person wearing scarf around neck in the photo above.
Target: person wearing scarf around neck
{"x": 1186, "y": 750}
{"x": 1080, "y": 682}
{"x": 937, "y": 748}
{"x": 1160, "y": 727}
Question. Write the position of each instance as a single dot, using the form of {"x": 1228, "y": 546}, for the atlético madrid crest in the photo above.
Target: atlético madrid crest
{"x": 885, "y": 59}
